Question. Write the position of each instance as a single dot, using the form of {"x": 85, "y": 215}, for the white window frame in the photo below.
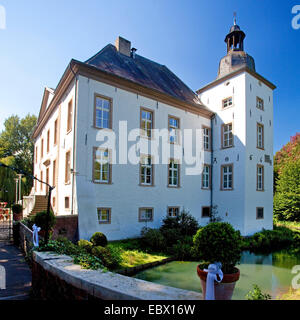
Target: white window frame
{"x": 145, "y": 131}
{"x": 227, "y": 102}
{"x": 104, "y": 162}
{"x": 144, "y": 215}
{"x": 229, "y": 177}
{"x": 173, "y": 129}
{"x": 99, "y": 215}
{"x": 206, "y": 139}
{"x": 173, "y": 212}
{"x": 260, "y": 178}
{"x": 227, "y": 138}
{"x": 206, "y": 177}
{"x": 102, "y": 109}
{"x": 172, "y": 171}
{"x": 146, "y": 165}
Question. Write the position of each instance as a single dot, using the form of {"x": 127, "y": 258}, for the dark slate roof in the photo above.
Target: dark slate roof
{"x": 142, "y": 71}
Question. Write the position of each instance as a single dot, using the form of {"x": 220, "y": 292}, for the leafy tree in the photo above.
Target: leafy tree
{"x": 16, "y": 142}
{"x": 287, "y": 197}
{"x": 7, "y": 182}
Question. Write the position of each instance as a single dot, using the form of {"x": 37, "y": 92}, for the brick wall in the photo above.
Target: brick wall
{"x": 66, "y": 226}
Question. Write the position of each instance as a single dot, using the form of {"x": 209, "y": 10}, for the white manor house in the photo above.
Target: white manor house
{"x": 101, "y": 141}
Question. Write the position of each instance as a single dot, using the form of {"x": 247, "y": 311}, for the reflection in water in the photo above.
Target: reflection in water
{"x": 272, "y": 273}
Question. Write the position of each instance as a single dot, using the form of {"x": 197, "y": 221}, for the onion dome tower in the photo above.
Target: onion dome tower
{"x": 236, "y": 57}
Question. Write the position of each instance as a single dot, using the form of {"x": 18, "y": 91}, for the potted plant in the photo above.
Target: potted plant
{"x": 17, "y": 210}
{"x": 218, "y": 242}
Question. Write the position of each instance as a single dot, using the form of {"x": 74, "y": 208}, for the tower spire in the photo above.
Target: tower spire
{"x": 234, "y": 18}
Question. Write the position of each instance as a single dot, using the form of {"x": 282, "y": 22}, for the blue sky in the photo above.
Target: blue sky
{"x": 42, "y": 36}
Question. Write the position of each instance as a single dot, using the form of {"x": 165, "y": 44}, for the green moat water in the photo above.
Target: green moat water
{"x": 272, "y": 273}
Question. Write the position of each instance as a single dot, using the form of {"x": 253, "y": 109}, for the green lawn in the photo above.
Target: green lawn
{"x": 133, "y": 255}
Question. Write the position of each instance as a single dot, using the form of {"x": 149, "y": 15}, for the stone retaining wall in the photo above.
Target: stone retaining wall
{"x": 25, "y": 240}
{"x": 55, "y": 277}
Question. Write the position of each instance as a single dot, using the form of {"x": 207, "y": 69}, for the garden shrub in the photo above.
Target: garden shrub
{"x": 218, "y": 242}
{"x": 40, "y": 220}
{"x": 185, "y": 223}
{"x": 109, "y": 256}
{"x": 269, "y": 240}
{"x": 99, "y": 239}
{"x": 85, "y": 244}
{"x": 183, "y": 249}
{"x": 153, "y": 239}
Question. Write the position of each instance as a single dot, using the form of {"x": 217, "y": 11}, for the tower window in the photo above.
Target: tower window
{"x": 227, "y": 102}
{"x": 206, "y": 177}
{"x": 227, "y": 177}
{"x": 227, "y": 136}
{"x": 260, "y": 178}
{"x": 259, "y": 213}
{"x": 260, "y": 136}
{"x": 67, "y": 202}
{"x": 259, "y": 103}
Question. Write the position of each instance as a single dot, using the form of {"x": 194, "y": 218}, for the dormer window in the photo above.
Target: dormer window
{"x": 226, "y": 103}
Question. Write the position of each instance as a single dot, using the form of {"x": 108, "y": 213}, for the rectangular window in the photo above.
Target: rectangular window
{"x": 48, "y": 141}
{"x": 42, "y": 148}
{"x": 54, "y": 173}
{"x": 103, "y": 112}
{"x": 259, "y": 103}
{"x": 259, "y": 213}
{"x": 206, "y": 177}
{"x": 174, "y": 129}
{"x": 67, "y": 202}
{"x": 53, "y": 202}
{"x": 70, "y": 113}
{"x": 205, "y": 212}
{"x": 35, "y": 184}
{"x": 55, "y": 132}
{"x": 260, "y": 136}
{"x": 145, "y": 214}
{"x": 227, "y": 102}
{"x": 102, "y": 166}
{"x": 146, "y": 171}
{"x": 41, "y": 185}
{"x": 227, "y": 136}
{"x": 206, "y": 138}
{"x": 36, "y": 154}
{"x": 174, "y": 173}
{"x": 68, "y": 167}
{"x": 146, "y": 123}
{"x": 227, "y": 177}
{"x": 173, "y": 212}
{"x": 260, "y": 178}
{"x": 104, "y": 215}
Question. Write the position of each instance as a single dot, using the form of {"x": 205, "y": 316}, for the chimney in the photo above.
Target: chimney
{"x": 123, "y": 46}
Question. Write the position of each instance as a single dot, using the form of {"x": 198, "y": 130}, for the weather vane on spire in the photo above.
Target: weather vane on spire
{"x": 234, "y": 19}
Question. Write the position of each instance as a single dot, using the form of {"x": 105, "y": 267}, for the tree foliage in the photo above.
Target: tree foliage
{"x": 287, "y": 181}
{"x": 16, "y": 148}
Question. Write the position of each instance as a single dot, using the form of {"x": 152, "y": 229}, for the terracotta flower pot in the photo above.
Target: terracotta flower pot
{"x": 223, "y": 290}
